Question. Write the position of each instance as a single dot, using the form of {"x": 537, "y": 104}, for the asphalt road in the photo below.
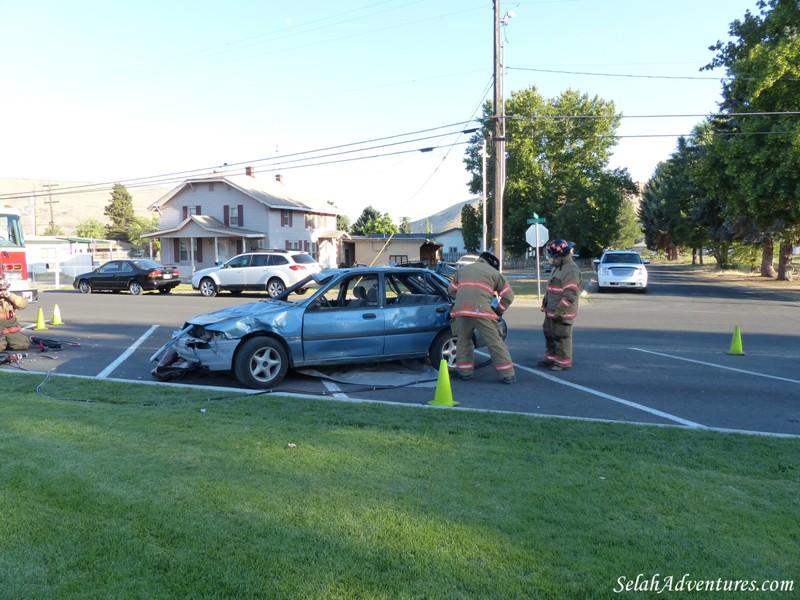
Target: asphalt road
{"x": 656, "y": 358}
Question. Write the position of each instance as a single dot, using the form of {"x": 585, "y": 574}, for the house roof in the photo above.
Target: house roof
{"x": 270, "y": 192}
{"x": 213, "y": 226}
{"x": 397, "y": 237}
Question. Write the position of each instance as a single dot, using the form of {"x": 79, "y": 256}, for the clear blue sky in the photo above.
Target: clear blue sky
{"x": 113, "y": 91}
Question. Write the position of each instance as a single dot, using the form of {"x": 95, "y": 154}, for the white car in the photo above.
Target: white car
{"x": 621, "y": 269}
{"x": 467, "y": 259}
{"x": 270, "y": 271}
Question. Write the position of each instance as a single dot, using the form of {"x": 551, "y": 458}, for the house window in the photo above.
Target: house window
{"x": 234, "y": 219}
{"x": 184, "y": 249}
{"x": 286, "y": 218}
{"x": 293, "y": 245}
{"x": 313, "y": 250}
{"x": 398, "y": 259}
{"x": 188, "y": 211}
{"x": 312, "y": 221}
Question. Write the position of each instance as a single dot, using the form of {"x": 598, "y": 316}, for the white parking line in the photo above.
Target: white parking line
{"x": 332, "y": 387}
{"x": 708, "y": 364}
{"x": 108, "y": 370}
{"x": 605, "y": 396}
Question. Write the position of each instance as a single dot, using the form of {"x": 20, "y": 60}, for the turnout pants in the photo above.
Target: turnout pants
{"x": 14, "y": 341}
{"x": 558, "y": 342}
{"x": 462, "y": 328}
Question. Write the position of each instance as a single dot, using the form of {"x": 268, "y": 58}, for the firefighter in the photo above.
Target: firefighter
{"x": 560, "y": 306}
{"x": 474, "y": 286}
{"x": 10, "y": 336}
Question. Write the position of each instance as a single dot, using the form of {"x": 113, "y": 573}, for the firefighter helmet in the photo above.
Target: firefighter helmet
{"x": 491, "y": 259}
{"x": 559, "y": 248}
{"x": 4, "y": 283}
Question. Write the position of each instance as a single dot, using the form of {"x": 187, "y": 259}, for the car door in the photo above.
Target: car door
{"x": 105, "y": 276}
{"x": 417, "y": 309}
{"x": 346, "y": 328}
{"x": 257, "y": 274}
{"x": 124, "y": 275}
{"x": 232, "y": 274}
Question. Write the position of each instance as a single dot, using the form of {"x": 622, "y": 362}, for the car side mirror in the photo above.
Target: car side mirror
{"x": 646, "y": 261}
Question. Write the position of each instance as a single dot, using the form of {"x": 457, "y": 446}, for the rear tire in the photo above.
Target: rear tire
{"x": 261, "y": 363}
{"x": 275, "y": 287}
{"x": 443, "y": 347}
{"x": 135, "y": 288}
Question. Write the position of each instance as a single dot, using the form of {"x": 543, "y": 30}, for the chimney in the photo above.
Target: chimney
{"x": 279, "y": 178}
{"x": 249, "y": 171}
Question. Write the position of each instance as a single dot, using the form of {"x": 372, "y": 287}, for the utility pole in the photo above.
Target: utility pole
{"x": 499, "y": 133}
{"x": 50, "y": 201}
{"x": 484, "y": 154}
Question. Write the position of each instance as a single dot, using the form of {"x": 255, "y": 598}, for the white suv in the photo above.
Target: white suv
{"x": 270, "y": 271}
{"x": 621, "y": 269}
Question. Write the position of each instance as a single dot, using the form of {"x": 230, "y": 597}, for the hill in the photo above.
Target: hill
{"x": 448, "y": 218}
{"x": 72, "y": 202}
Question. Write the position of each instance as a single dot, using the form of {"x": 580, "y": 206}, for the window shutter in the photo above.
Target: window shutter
{"x": 290, "y": 218}
{"x": 226, "y": 211}
{"x": 288, "y": 245}
{"x": 185, "y": 211}
{"x": 176, "y": 248}
{"x": 241, "y": 215}
{"x": 305, "y": 246}
{"x": 197, "y": 210}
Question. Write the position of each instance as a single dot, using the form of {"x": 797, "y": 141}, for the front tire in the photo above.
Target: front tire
{"x": 208, "y": 288}
{"x": 85, "y": 287}
{"x": 261, "y": 363}
{"x": 275, "y": 287}
{"x": 443, "y": 347}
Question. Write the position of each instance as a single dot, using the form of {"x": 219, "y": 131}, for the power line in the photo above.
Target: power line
{"x": 632, "y": 76}
{"x": 177, "y": 176}
{"x": 710, "y": 115}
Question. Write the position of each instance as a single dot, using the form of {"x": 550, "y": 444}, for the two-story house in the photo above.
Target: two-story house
{"x": 211, "y": 218}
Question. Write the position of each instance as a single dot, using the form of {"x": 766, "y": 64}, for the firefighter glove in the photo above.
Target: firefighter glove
{"x": 559, "y": 313}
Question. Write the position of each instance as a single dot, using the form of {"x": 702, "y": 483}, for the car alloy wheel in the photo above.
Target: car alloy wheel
{"x": 85, "y": 287}
{"x": 443, "y": 347}
{"x": 275, "y": 287}
{"x": 261, "y": 362}
{"x": 135, "y": 288}
{"x": 208, "y": 288}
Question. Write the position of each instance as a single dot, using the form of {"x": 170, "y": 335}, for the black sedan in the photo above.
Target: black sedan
{"x": 134, "y": 275}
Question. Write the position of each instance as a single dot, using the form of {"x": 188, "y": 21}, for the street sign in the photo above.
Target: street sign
{"x": 537, "y": 235}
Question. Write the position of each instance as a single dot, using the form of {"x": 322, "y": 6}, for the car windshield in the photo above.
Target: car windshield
{"x": 627, "y": 258}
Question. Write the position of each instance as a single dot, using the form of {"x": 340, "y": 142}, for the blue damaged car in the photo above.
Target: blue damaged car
{"x": 348, "y": 316}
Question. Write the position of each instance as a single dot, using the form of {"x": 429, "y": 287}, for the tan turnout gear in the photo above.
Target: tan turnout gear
{"x": 11, "y": 337}
{"x": 474, "y": 286}
{"x": 560, "y": 305}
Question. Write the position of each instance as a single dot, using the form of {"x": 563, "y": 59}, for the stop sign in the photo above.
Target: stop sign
{"x": 537, "y": 235}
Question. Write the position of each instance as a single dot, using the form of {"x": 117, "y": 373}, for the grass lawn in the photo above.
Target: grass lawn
{"x": 114, "y": 490}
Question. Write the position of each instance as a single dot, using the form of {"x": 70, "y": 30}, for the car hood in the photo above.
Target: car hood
{"x": 263, "y": 311}
{"x": 207, "y": 271}
{"x": 624, "y": 265}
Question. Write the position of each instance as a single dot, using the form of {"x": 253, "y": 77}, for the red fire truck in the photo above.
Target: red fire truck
{"x": 13, "y": 261}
